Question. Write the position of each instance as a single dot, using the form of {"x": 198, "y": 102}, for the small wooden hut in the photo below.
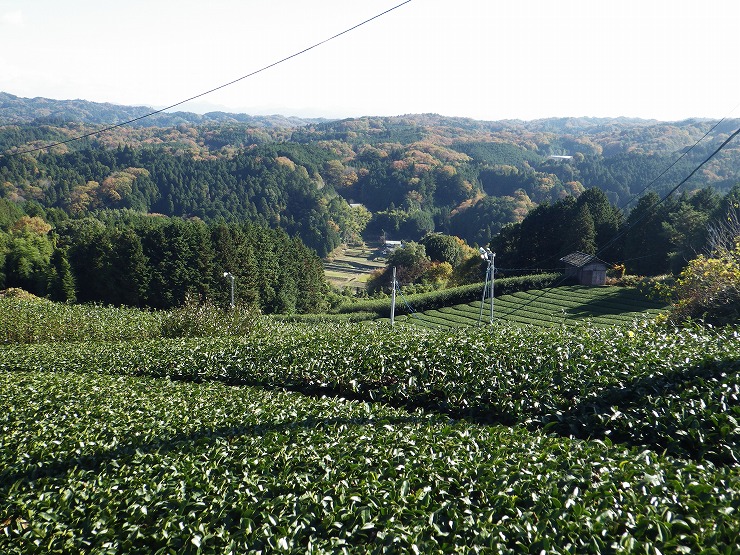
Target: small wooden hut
{"x": 586, "y": 268}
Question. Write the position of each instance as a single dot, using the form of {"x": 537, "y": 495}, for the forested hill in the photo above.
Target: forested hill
{"x": 18, "y": 110}
{"x": 412, "y": 174}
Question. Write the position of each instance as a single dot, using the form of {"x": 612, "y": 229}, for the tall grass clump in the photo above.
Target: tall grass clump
{"x": 207, "y": 320}
{"x": 35, "y": 320}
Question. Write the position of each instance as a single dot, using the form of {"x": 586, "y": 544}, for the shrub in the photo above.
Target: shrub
{"x": 207, "y": 320}
{"x": 708, "y": 289}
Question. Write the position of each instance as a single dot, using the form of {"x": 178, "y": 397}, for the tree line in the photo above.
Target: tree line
{"x": 127, "y": 259}
{"x": 655, "y": 237}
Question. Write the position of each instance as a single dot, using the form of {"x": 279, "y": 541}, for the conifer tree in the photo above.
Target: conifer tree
{"x": 582, "y": 232}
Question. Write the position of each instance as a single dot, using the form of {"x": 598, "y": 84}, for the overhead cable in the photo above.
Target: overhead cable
{"x": 655, "y": 205}
{"x": 252, "y": 74}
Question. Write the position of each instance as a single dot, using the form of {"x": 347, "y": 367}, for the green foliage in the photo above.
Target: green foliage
{"x": 415, "y": 173}
{"x": 353, "y": 220}
{"x": 497, "y": 153}
{"x": 662, "y": 237}
{"x": 34, "y": 320}
{"x": 581, "y": 234}
{"x": 326, "y": 318}
{"x": 569, "y": 380}
{"x": 539, "y": 239}
{"x": 4, "y": 243}
{"x": 399, "y": 224}
{"x": 411, "y": 259}
{"x": 27, "y": 259}
{"x": 97, "y": 456}
{"x": 657, "y": 236}
{"x": 251, "y": 186}
{"x": 60, "y": 283}
{"x": 485, "y": 218}
{"x": 161, "y": 262}
{"x": 411, "y": 263}
{"x": 10, "y": 213}
{"x": 121, "y": 464}
{"x": 207, "y": 320}
{"x": 686, "y": 226}
{"x": 549, "y": 232}
{"x": 99, "y": 453}
{"x": 564, "y": 305}
{"x": 607, "y": 220}
{"x": 708, "y": 289}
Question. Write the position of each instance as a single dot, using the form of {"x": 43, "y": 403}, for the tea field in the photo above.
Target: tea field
{"x": 566, "y": 305}
{"x": 365, "y": 438}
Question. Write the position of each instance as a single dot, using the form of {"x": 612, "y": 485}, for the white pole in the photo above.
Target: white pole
{"x": 393, "y": 297}
{"x": 231, "y": 279}
{"x": 484, "y": 256}
{"x": 492, "y": 270}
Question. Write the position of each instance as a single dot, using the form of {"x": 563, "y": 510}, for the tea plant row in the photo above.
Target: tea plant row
{"x": 42, "y": 321}
{"x": 571, "y": 305}
{"x": 665, "y": 388}
{"x": 98, "y": 463}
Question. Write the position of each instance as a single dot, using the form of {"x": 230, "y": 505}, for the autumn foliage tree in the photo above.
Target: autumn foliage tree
{"x": 709, "y": 289}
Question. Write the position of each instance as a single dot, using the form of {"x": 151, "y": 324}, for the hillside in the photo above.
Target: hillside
{"x": 331, "y": 183}
{"x": 46, "y": 111}
{"x": 145, "y": 413}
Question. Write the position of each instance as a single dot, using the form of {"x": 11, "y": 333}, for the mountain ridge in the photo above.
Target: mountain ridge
{"x": 19, "y": 110}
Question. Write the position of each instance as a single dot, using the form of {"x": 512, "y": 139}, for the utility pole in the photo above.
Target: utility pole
{"x": 491, "y": 270}
{"x": 231, "y": 278}
{"x": 393, "y": 297}
{"x": 487, "y": 255}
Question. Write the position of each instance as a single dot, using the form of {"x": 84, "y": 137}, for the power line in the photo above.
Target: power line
{"x": 655, "y": 180}
{"x": 662, "y": 200}
{"x": 676, "y": 161}
{"x": 616, "y": 237}
{"x": 252, "y": 74}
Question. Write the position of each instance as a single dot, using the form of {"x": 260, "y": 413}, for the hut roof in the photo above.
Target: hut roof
{"x": 580, "y": 259}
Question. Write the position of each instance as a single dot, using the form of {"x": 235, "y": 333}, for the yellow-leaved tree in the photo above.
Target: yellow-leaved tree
{"x": 708, "y": 288}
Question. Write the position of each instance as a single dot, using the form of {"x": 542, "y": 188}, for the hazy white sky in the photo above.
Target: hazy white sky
{"x": 485, "y": 59}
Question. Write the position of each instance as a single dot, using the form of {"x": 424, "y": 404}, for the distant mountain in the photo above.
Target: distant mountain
{"x": 18, "y": 110}
{"x": 414, "y": 173}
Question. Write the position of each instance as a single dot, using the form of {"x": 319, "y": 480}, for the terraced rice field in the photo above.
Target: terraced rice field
{"x": 351, "y": 267}
{"x": 570, "y": 305}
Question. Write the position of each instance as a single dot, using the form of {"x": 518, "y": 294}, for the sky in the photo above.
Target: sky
{"x": 484, "y": 59}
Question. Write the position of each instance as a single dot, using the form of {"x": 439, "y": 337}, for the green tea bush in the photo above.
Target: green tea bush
{"x": 569, "y": 305}
{"x": 324, "y": 318}
{"x": 92, "y": 463}
{"x": 40, "y": 321}
{"x": 207, "y": 320}
{"x": 453, "y": 295}
{"x": 571, "y": 380}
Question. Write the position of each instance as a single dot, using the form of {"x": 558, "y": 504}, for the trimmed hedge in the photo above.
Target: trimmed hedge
{"x": 360, "y": 316}
{"x": 453, "y": 295}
